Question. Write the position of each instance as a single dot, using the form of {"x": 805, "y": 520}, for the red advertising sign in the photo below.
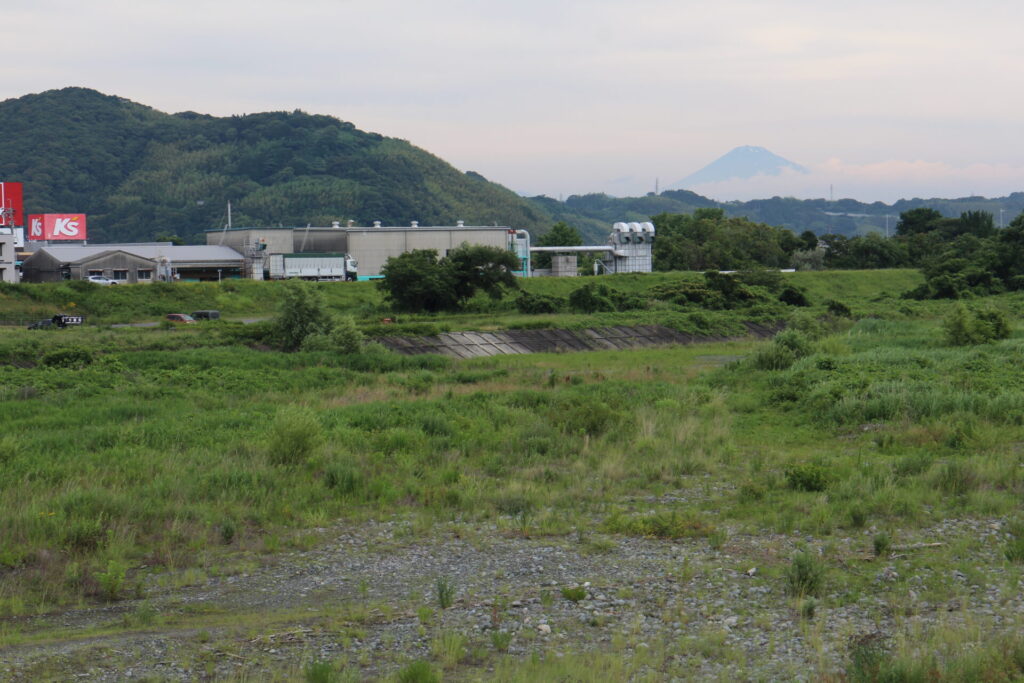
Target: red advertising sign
{"x": 56, "y": 226}
{"x": 10, "y": 204}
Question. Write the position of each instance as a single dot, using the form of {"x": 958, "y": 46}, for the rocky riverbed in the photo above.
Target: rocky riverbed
{"x": 366, "y": 599}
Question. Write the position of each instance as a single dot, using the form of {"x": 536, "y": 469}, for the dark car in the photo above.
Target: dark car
{"x": 206, "y": 315}
{"x": 60, "y": 320}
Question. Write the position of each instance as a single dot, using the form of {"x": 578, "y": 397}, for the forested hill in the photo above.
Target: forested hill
{"x": 138, "y": 172}
{"x": 592, "y": 214}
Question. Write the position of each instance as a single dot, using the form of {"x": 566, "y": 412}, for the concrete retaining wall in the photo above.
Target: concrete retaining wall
{"x": 479, "y": 344}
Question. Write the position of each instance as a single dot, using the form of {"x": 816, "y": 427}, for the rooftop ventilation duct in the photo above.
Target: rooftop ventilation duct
{"x": 376, "y": 224}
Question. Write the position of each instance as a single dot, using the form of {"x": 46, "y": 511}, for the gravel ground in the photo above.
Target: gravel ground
{"x": 358, "y": 597}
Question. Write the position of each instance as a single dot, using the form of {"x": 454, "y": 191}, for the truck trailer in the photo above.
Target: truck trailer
{"x": 313, "y": 267}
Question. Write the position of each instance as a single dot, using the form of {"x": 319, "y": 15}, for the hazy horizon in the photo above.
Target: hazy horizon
{"x": 880, "y": 102}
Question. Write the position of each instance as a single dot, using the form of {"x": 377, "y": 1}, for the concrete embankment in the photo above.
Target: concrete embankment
{"x": 479, "y": 344}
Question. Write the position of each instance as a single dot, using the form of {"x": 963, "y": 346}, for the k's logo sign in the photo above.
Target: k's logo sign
{"x": 57, "y": 226}
{"x": 65, "y": 227}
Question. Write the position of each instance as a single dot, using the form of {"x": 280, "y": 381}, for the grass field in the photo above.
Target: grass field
{"x": 127, "y": 453}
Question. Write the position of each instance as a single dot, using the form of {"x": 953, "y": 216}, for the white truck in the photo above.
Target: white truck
{"x": 313, "y": 267}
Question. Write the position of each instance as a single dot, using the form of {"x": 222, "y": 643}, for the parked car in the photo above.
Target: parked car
{"x": 206, "y": 315}
{"x": 60, "y": 320}
{"x": 100, "y": 280}
{"x": 183, "y": 318}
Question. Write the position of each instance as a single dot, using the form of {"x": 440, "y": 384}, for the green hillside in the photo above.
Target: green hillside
{"x": 138, "y": 172}
{"x": 593, "y": 214}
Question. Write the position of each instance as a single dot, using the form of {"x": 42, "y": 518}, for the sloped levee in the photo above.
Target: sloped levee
{"x": 479, "y": 344}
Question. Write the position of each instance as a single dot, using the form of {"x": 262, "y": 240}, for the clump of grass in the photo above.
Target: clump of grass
{"x": 1014, "y": 547}
{"x": 880, "y": 543}
{"x": 418, "y": 671}
{"x": 670, "y": 525}
{"x": 807, "y": 477}
{"x": 320, "y": 671}
{"x": 112, "y": 581}
{"x": 295, "y": 436}
{"x": 574, "y": 594}
{"x": 501, "y": 640}
{"x": 805, "y": 576}
{"x": 449, "y": 648}
{"x": 444, "y": 590}
{"x": 957, "y": 478}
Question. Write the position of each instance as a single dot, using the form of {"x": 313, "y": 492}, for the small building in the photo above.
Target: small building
{"x": 132, "y": 263}
{"x": 8, "y": 255}
{"x": 369, "y": 246}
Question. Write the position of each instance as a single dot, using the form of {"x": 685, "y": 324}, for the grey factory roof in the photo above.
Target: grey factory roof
{"x": 192, "y": 253}
{"x": 367, "y": 228}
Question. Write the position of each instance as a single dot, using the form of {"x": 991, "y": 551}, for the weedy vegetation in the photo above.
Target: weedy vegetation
{"x": 131, "y": 453}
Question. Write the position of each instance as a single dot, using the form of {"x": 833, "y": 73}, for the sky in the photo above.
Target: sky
{"x": 880, "y": 99}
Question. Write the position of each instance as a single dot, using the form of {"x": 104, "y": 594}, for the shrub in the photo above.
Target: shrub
{"x": 771, "y": 280}
{"x": 963, "y": 327}
{"x": 294, "y": 436}
{"x": 772, "y": 357}
{"x": 807, "y": 477}
{"x": 805, "y": 575}
{"x": 795, "y": 341}
{"x": 72, "y": 357}
{"x": 344, "y": 337}
{"x": 591, "y": 298}
{"x": 302, "y": 313}
{"x": 838, "y": 309}
{"x": 538, "y": 303}
{"x": 791, "y": 296}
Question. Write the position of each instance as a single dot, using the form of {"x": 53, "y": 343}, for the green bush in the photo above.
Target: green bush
{"x": 344, "y": 337}
{"x": 963, "y": 327}
{"x": 302, "y": 313}
{"x": 591, "y": 298}
{"x": 791, "y": 296}
{"x": 838, "y": 309}
{"x": 807, "y": 477}
{"x": 528, "y": 303}
{"x": 295, "y": 436}
{"x": 72, "y": 357}
{"x": 805, "y": 575}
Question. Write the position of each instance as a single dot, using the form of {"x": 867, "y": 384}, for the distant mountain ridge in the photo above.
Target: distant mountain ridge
{"x": 740, "y": 163}
{"x": 138, "y": 172}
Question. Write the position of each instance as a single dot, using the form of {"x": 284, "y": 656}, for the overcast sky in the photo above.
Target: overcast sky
{"x": 880, "y": 98}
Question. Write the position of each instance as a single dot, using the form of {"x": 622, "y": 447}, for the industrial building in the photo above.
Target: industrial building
{"x": 370, "y": 247}
{"x": 629, "y": 250}
{"x": 132, "y": 263}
